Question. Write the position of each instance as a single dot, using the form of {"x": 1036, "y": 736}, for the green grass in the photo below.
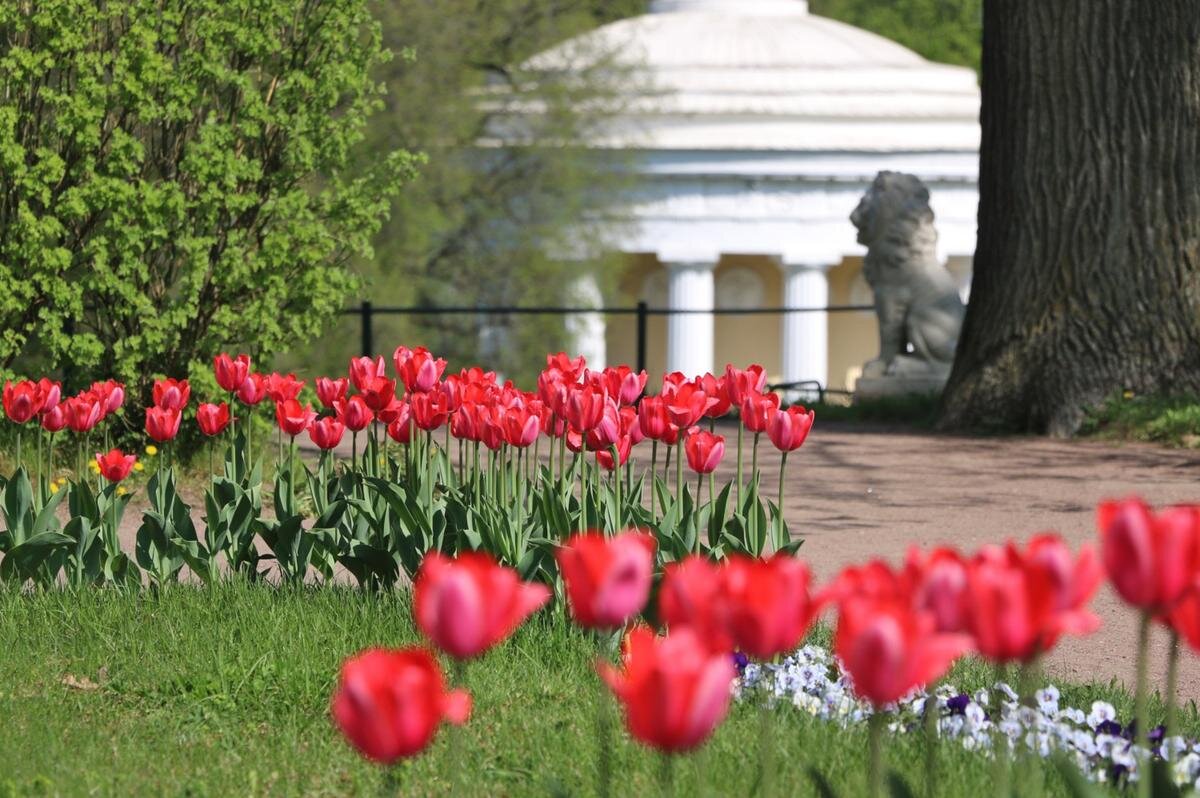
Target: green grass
{"x": 1169, "y": 420}
{"x": 225, "y": 691}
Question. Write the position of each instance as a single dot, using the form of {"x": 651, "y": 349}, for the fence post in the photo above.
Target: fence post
{"x": 368, "y": 337}
{"x": 641, "y": 335}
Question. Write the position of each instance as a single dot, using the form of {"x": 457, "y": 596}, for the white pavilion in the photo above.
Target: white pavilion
{"x": 757, "y": 129}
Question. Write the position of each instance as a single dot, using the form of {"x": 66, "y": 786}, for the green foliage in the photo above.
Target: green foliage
{"x": 482, "y": 223}
{"x": 1172, "y": 420}
{"x": 179, "y": 177}
{"x": 949, "y": 31}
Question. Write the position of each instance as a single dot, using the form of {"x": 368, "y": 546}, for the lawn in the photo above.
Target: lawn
{"x": 225, "y": 691}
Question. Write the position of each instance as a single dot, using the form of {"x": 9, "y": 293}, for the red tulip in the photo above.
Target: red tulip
{"x": 400, "y": 430}
{"x": 115, "y": 465}
{"x": 607, "y": 579}
{"x": 718, "y": 396}
{"x": 281, "y": 387}
{"x": 469, "y": 604}
{"x": 162, "y": 424}
{"x": 704, "y": 450}
{"x": 1151, "y": 558}
{"x": 553, "y": 390}
{"x": 675, "y": 690}
{"x": 231, "y": 372}
{"x": 354, "y": 413}
{"x": 389, "y": 703}
{"x": 50, "y": 392}
{"x": 585, "y": 407}
{"x": 378, "y": 392}
{"x": 740, "y": 384}
{"x": 213, "y": 419}
{"x": 429, "y": 411}
{"x": 685, "y": 405}
{"x": 326, "y": 432}
{"x": 769, "y": 605}
{"x": 22, "y": 401}
{"x": 253, "y": 389}
{"x": 55, "y": 420}
{"x": 363, "y": 369}
{"x": 521, "y": 426}
{"x": 396, "y": 410}
{"x": 788, "y": 428}
{"x": 111, "y": 395}
{"x": 692, "y": 595}
{"x": 756, "y": 409}
{"x": 624, "y": 384}
{"x": 292, "y": 417}
{"x": 418, "y": 369}
{"x": 1184, "y": 618}
{"x": 570, "y": 368}
{"x": 607, "y": 431}
{"x": 170, "y": 394}
{"x": 330, "y": 391}
{"x": 604, "y": 457}
{"x": 939, "y": 585}
{"x": 1020, "y": 602}
{"x": 652, "y": 417}
{"x": 889, "y": 648}
{"x": 83, "y": 412}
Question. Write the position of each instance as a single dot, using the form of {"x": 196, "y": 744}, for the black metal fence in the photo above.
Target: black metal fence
{"x": 366, "y": 311}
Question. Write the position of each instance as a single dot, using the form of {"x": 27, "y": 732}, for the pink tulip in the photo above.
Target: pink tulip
{"x": 675, "y": 690}
{"x": 1151, "y": 558}
{"x": 469, "y": 604}
{"x": 607, "y": 579}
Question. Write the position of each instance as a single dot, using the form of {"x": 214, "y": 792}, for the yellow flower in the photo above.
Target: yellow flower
{"x": 94, "y": 466}
{"x": 62, "y": 481}
{"x": 1128, "y": 394}
{"x": 121, "y": 490}
{"x": 152, "y": 450}
{"x": 54, "y": 487}
{"x": 138, "y": 466}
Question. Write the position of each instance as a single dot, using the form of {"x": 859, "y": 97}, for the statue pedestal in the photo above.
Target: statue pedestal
{"x": 887, "y": 387}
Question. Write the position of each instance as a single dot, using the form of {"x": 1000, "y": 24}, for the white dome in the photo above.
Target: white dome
{"x": 767, "y": 75}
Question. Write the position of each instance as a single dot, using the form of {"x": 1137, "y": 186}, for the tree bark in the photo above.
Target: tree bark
{"x": 1086, "y": 280}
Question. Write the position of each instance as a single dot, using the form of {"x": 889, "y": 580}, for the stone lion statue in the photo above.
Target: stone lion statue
{"x": 916, "y": 298}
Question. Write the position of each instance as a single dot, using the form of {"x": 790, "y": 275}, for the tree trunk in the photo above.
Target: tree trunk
{"x": 1086, "y": 279}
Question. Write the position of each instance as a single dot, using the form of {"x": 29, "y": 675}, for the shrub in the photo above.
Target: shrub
{"x": 177, "y": 177}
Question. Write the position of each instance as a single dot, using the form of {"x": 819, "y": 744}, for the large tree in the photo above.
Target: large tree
{"x": 1087, "y": 271}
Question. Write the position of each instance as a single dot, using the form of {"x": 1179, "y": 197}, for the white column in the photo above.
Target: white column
{"x": 588, "y": 330}
{"x": 805, "y": 335}
{"x": 690, "y": 335}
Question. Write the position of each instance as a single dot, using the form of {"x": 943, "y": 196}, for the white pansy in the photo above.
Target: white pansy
{"x": 811, "y": 682}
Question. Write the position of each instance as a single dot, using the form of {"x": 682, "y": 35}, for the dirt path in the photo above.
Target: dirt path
{"x": 858, "y": 494}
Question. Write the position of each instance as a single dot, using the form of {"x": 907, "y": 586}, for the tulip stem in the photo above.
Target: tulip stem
{"x": 737, "y": 495}
{"x": 999, "y": 738}
{"x": 930, "y": 718}
{"x": 766, "y": 746}
{"x": 1172, "y": 683}
{"x": 616, "y": 455}
{"x": 666, "y": 774}
{"x": 875, "y": 735}
{"x": 608, "y": 647}
{"x": 653, "y": 474}
{"x": 1141, "y": 712}
{"x": 679, "y": 466}
{"x": 18, "y": 448}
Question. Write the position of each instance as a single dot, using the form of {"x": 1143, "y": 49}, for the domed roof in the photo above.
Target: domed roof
{"x": 768, "y": 75}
